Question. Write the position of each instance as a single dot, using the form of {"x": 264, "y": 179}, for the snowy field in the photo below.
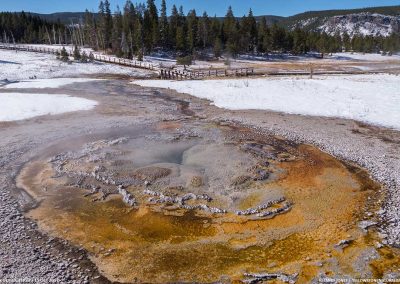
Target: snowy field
{"x": 25, "y": 65}
{"x": 18, "y": 106}
{"x": 364, "y": 57}
{"x": 164, "y": 60}
{"x": 373, "y": 99}
{"x": 251, "y": 60}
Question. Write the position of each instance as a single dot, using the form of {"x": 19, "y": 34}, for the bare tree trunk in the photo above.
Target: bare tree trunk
{"x": 12, "y": 35}
{"x": 59, "y": 37}
{"x": 54, "y": 35}
{"x": 102, "y": 42}
{"x": 5, "y": 38}
{"x": 83, "y": 43}
{"x": 48, "y": 35}
{"x": 78, "y": 35}
{"x": 97, "y": 40}
{"x": 82, "y": 33}
{"x": 131, "y": 41}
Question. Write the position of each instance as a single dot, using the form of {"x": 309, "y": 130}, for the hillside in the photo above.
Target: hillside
{"x": 362, "y": 24}
{"x": 377, "y": 21}
{"x": 63, "y": 17}
{"x": 293, "y": 20}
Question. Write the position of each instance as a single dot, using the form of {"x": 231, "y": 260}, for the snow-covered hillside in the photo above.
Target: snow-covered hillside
{"x": 354, "y": 24}
{"x": 362, "y": 24}
{"x": 370, "y": 98}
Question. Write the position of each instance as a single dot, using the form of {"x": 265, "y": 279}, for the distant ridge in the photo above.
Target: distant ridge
{"x": 63, "y": 17}
{"x": 295, "y": 19}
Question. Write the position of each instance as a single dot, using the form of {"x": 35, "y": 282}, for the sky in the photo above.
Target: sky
{"x": 213, "y": 7}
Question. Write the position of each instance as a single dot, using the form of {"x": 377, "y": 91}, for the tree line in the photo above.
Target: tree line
{"x": 142, "y": 29}
{"x": 26, "y": 28}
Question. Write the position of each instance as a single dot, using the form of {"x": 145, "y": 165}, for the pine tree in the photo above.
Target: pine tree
{"x": 299, "y": 41}
{"x": 357, "y": 43}
{"x": 108, "y": 25}
{"x": 90, "y": 32}
{"x": 91, "y": 57}
{"x": 84, "y": 57}
{"x": 346, "y": 42}
{"x": 204, "y": 31}
{"x": 264, "y": 36}
{"x": 230, "y": 29}
{"x": 117, "y": 34}
{"x": 105, "y": 25}
{"x": 181, "y": 31}
{"x": 140, "y": 55}
{"x": 192, "y": 25}
{"x": 164, "y": 27}
{"x": 125, "y": 50}
{"x": 129, "y": 26}
{"x": 154, "y": 30}
{"x": 250, "y": 31}
{"x": 138, "y": 34}
{"x": 77, "y": 53}
{"x": 180, "y": 39}
{"x": 336, "y": 43}
{"x": 173, "y": 26}
{"x": 217, "y": 48}
{"x": 215, "y": 30}
{"x": 101, "y": 32}
{"x": 64, "y": 55}
{"x": 278, "y": 37}
{"x": 323, "y": 44}
{"x": 229, "y": 25}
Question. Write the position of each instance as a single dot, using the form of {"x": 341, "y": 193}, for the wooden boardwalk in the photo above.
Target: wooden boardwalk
{"x": 207, "y": 73}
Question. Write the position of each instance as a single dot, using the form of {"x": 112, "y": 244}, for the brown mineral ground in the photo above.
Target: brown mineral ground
{"x": 162, "y": 241}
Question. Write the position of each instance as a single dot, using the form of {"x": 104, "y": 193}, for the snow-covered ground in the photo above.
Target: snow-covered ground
{"x": 155, "y": 60}
{"x": 25, "y": 65}
{"x": 18, "y": 106}
{"x": 373, "y": 99}
{"x": 262, "y": 63}
{"x": 46, "y": 83}
{"x": 364, "y": 56}
{"x": 248, "y": 60}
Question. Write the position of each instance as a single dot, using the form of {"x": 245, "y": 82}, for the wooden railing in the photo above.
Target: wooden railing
{"x": 200, "y": 74}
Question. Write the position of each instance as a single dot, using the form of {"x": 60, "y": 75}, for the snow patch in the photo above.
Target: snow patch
{"x": 364, "y": 57}
{"x": 373, "y": 99}
{"x": 18, "y": 106}
{"x": 47, "y": 83}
